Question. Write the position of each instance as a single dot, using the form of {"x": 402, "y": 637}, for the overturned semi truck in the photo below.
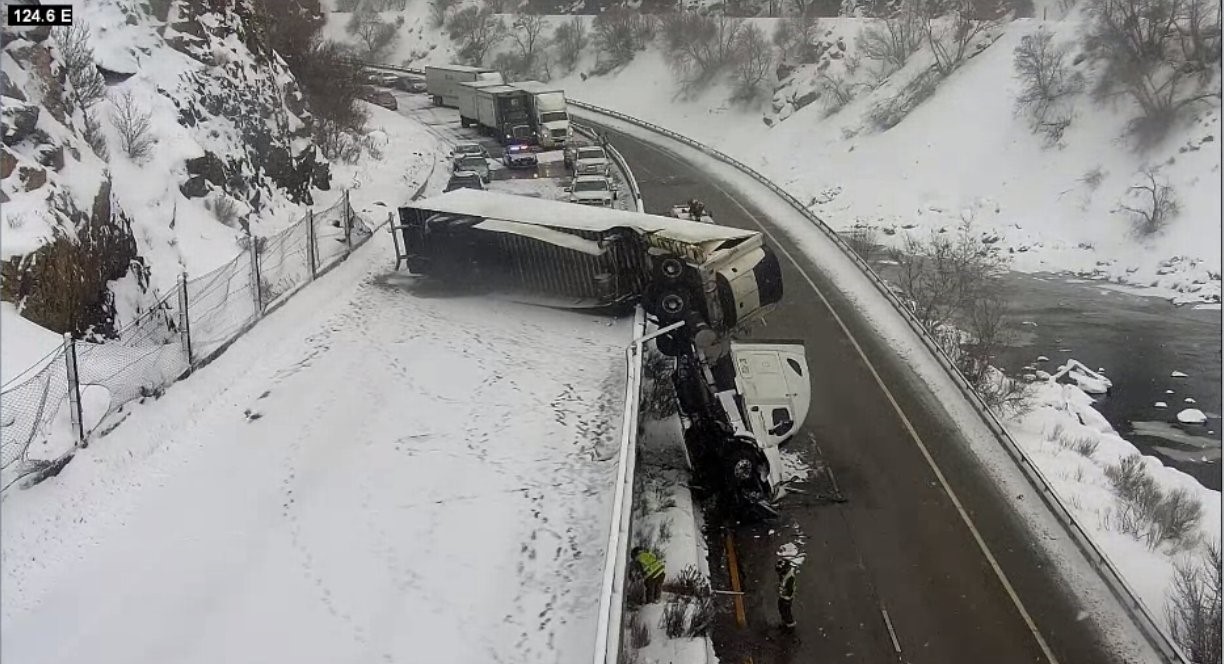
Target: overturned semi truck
{"x": 739, "y": 401}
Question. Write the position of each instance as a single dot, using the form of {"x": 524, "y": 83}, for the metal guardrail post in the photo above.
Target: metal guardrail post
{"x": 184, "y": 319}
{"x": 310, "y": 244}
{"x": 1156, "y": 635}
{"x": 256, "y": 287}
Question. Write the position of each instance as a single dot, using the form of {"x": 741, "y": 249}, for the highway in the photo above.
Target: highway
{"x": 898, "y": 572}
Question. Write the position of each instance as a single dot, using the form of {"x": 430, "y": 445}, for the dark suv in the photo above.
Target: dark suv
{"x": 464, "y": 180}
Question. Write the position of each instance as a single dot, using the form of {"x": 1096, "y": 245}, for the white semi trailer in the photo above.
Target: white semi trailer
{"x": 442, "y": 81}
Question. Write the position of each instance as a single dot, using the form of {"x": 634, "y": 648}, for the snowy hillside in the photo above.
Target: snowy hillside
{"x": 841, "y": 135}
{"x": 97, "y": 220}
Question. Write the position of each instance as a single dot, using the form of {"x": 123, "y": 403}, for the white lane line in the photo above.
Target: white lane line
{"x": 909, "y": 427}
{"x": 891, "y": 632}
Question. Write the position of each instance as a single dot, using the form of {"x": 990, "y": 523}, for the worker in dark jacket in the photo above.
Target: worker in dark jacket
{"x": 787, "y": 571}
{"x": 653, "y": 571}
{"x": 696, "y": 209}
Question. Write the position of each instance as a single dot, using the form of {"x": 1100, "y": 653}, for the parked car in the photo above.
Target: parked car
{"x": 474, "y": 163}
{"x": 465, "y": 180}
{"x": 520, "y": 156}
{"x": 466, "y": 149}
{"x": 587, "y": 160}
{"x": 592, "y": 190}
{"x": 410, "y": 84}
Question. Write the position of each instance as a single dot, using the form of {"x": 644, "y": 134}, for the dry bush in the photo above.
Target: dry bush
{"x": 439, "y": 10}
{"x": 659, "y": 394}
{"x": 73, "y": 45}
{"x": 92, "y": 131}
{"x": 701, "y": 617}
{"x": 1194, "y": 606}
{"x": 570, "y": 39}
{"x": 950, "y": 27}
{"x": 674, "y": 619}
{"x": 794, "y": 37}
{"x": 332, "y": 85}
{"x": 1162, "y": 54}
{"x": 700, "y": 47}
{"x": 891, "y": 112}
{"x": 475, "y": 32}
{"x": 635, "y": 590}
{"x": 689, "y": 582}
{"x": 1156, "y": 207}
{"x": 837, "y": 90}
{"x": 292, "y": 27}
{"x": 525, "y": 31}
{"x": 619, "y": 34}
{"x": 639, "y": 633}
{"x": 1147, "y": 512}
{"x": 891, "y": 42}
{"x": 226, "y": 209}
{"x": 753, "y": 57}
{"x": 133, "y": 124}
{"x": 863, "y": 240}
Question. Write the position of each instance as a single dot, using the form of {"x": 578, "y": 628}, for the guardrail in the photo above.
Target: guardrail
{"x": 623, "y": 165}
{"x": 1108, "y": 571}
{"x": 1151, "y": 628}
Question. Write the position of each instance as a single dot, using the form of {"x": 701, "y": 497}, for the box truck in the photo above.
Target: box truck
{"x": 502, "y": 112}
{"x": 466, "y": 93}
{"x": 442, "y": 81}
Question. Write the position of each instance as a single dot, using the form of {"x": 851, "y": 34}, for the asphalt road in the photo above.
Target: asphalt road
{"x": 894, "y": 574}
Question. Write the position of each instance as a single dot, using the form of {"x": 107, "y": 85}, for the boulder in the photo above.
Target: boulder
{"x": 20, "y": 120}
{"x": 8, "y": 162}
{"x": 209, "y": 166}
{"x": 10, "y": 89}
{"x": 52, "y": 157}
{"x": 195, "y": 187}
{"x": 32, "y": 177}
{"x": 806, "y": 98}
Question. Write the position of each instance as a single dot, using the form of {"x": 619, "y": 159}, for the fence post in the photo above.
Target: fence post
{"x": 184, "y": 319}
{"x": 256, "y": 287}
{"x": 74, "y": 389}
{"x": 310, "y": 243}
{"x": 348, "y": 222}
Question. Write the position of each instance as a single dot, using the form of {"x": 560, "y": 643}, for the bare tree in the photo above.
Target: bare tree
{"x": 439, "y": 9}
{"x": 332, "y": 85}
{"x": 73, "y": 45}
{"x": 753, "y": 59}
{"x": 619, "y": 33}
{"x": 376, "y": 35}
{"x": 952, "y": 26}
{"x": 700, "y": 47}
{"x": 1157, "y": 205}
{"x": 132, "y": 122}
{"x": 794, "y": 36}
{"x": 525, "y": 30}
{"x": 1046, "y": 84}
{"x": 891, "y": 41}
{"x": 840, "y": 91}
{"x": 1162, "y": 54}
{"x": 1194, "y": 606}
{"x": 475, "y": 32}
{"x": 570, "y": 39}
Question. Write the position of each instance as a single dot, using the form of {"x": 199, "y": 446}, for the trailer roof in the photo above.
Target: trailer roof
{"x": 460, "y": 68}
{"x": 500, "y": 88}
{"x": 558, "y": 214}
{"x": 536, "y": 87}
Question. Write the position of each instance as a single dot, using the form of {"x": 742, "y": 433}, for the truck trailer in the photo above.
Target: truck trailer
{"x": 715, "y": 279}
{"x": 466, "y": 93}
{"x": 504, "y": 113}
{"x": 441, "y": 81}
{"x": 549, "y": 113}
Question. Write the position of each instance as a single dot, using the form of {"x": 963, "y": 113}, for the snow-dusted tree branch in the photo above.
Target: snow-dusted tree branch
{"x": 1047, "y": 84}
{"x": 892, "y": 41}
{"x": 475, "y": 32}
{"x": 1156, "y": 205}
{"x": 1194, "y": 605}
{"x": 570, "y": 39}
{"x": 753, "y": 60}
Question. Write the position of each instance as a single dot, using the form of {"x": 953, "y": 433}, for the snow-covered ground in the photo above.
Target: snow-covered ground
{"x": 368, "y": 475}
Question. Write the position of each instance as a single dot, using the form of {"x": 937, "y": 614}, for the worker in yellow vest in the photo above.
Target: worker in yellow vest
{"x": 653, "y": 572}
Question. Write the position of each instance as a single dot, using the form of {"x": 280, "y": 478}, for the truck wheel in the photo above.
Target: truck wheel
{"x": 464, "y": 122}
{"x": 670, "y": 269}
{"x": 671, "y": 305}
{"x": 668, "y": 345}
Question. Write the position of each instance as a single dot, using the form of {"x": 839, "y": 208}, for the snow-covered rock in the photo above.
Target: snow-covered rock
{"x": 1191, "y": 416}
{"x": 1178, "y": 374}
{"x": 1161, "y": 404}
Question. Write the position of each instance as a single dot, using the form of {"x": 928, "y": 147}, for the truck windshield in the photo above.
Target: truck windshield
{"x": 554, "y": 116}
{"x": 593, "y": 185}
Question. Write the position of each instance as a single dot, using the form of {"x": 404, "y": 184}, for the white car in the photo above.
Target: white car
{"x": 592, "y": 190}
{"x": 590, "y": 160}
{"x": 520, "y": 156}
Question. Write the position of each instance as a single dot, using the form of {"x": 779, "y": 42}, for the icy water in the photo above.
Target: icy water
{"x": 1139, "y": 341}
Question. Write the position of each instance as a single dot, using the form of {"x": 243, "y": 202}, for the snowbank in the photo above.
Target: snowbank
{"x": 26, "y": 346}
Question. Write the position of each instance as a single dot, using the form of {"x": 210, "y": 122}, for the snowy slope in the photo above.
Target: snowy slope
{"x": 368, "y": 475}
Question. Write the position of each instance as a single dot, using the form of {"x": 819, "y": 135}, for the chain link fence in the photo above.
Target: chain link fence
{"x": 52, "y": 408}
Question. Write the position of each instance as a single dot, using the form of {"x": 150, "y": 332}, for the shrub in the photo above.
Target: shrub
{"x": 376, "y": 35}
{"x": 132, "y": 122}
{"x": 439, "y": 10}
{"x": 863, "y": 240}
{"x": 1147, "y": 512}
{"x": 891, "y": 42}
{"x": 1046, "y": 85}
{"x": 1194, "y": 606}
{"x": 635, "y": 590}
{"x": 619, "y": 34}
{"x": 701, "y": 617}
{"x": 1085, "y": 447}
{"x": 73, "y": 44}
{"x": 794, "y": 36}
{"x": 699, "y": 46}
{"x": 226, "y": 209}
{"x": 639, "y": 633}
{"x": 689, "y": 582}
{"x": 753, "y": 58}
{"x": 525, "y": 32}
{"x": 1156, "y": 206}
{"x": 674, "y": 617}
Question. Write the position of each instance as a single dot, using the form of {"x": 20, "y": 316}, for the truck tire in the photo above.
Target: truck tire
{"x": 670, "y": 269}
{"x": 464, "y": 122}
{"x": 669, "y": 345}
{"x": 671, "y": 304}
{"x": 437, "y": 101}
